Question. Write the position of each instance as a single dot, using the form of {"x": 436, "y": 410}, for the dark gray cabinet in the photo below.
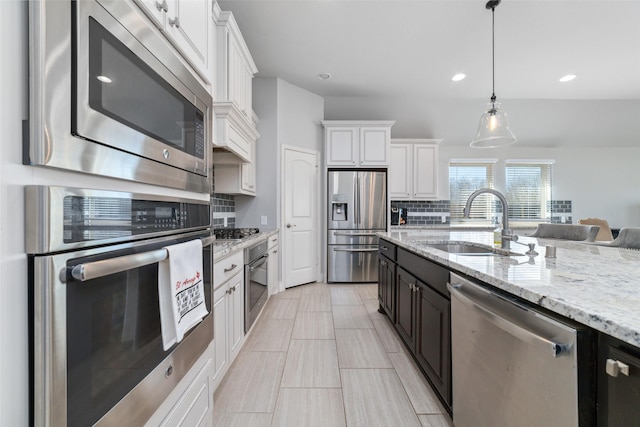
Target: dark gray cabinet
{"x": 423, "y": 317}
{"x": 387, "y": 279}
{"x": 618, "y": 384}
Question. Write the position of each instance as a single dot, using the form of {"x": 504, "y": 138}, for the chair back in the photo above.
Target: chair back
{"x": 627, "y": 238}
{"x": 576, "y": 232}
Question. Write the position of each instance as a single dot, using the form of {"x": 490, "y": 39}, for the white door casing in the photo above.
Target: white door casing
{"x": 300, "y": 219}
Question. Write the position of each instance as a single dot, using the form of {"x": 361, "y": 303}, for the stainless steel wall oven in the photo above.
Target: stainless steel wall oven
{"x": 96, "y": 346}
{"x": 256, "y": 275}
{"x": 110, "y": 96}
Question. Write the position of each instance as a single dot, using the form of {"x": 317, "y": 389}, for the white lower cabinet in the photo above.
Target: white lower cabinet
{"x": 228, "y": 315}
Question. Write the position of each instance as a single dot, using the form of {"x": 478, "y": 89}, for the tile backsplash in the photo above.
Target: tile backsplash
{"x": 433, "y": 212}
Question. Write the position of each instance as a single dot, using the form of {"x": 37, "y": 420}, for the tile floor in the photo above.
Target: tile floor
{"x": 322, "y": 355}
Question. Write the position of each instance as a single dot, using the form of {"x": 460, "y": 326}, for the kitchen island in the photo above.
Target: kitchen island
{"x": 595, "y": 285}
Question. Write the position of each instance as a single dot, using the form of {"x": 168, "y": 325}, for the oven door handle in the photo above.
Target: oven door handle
{"x": 259, "y": 262}
{"x": 355, "y": 250}
{"x": 105, "y": 267}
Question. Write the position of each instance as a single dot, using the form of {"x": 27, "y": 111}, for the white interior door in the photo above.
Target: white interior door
{"x": 300, "y": 219}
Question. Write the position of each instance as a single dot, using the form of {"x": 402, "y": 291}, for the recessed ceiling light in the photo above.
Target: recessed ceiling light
{"x": 458, "y": 77}
{"x": 324, "y": 76}
{"x": 567, "y": 78}
{"x": 104, "y": 79}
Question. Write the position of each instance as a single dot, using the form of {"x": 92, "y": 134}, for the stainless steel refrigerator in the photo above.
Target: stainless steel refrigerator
{"x": 357, "y": 204}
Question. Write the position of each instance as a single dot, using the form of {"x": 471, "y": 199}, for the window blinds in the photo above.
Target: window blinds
{"x": 464, "y": 179}
{"x": 529, "y": 191}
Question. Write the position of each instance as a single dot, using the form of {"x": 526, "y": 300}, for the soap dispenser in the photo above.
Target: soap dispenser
{"x": 497, "y": 232}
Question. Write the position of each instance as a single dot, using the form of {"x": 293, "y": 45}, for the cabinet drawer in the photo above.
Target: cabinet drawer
{"x": 226, "y": 268}
{"x": 273, "y": 242}
{"x": 387, "y": 249}
{"x": 429, "y": 272}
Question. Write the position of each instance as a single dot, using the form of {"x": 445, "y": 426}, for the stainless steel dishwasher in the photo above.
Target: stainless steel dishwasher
{"x": 514, "y": 366}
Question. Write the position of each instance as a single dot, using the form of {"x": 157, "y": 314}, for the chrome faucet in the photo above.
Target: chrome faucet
{"x": 506, "y": 232}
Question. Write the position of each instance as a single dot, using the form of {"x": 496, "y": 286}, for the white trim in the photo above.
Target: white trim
{"x": 473, "y": 161}
{"x": 530, "y": 161}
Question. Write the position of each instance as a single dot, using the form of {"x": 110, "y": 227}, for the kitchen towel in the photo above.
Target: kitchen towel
{"x": 181, "y": 291}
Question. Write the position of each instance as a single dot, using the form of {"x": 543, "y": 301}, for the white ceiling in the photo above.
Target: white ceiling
{"x": 413, "y": 48}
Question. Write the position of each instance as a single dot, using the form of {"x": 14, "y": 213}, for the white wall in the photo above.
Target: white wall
{"x": 290, "y": 116}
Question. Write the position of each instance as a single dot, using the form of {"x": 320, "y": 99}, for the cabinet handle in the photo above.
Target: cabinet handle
{"x": 615, "y": 367}
{"x": 228, "y": 291}
{"x": 275, "y": 252}
{"x": 384, "y": 248}
{"x": 162, "y": 6}
{"x": 175, "y": 21}
{"x": 233, "y": 266}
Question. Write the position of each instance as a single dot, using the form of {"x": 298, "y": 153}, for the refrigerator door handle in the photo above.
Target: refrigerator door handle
{"x": 355, "y": 234}
{"x": 356, "y": 202}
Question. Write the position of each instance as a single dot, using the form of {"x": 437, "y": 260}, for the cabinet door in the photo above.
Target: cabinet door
{"x": 374, "y": 146}
{"x": 188, "y": 23}
{"x": 220, "y": 338}
{"x": 342, "y": 146}
{"x": 433, "y": 343}
{"x": 425, "y": 172}
{"x": 622, "y": 405}
{"x": 406, "y": 307}
{"x": 273, "y": 269}
{"x": 401, "y": 171}
{"x": 236, "y": 315}
{"x": 248, "y": 173}
{"x": 195, "y": 408}
{"x": 155, "y": 9}
{"x": 235, "y": 70}
{"x": 390, "y": 290}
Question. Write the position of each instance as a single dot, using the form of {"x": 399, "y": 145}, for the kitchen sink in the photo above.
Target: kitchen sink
{"x": 461, "y": 248}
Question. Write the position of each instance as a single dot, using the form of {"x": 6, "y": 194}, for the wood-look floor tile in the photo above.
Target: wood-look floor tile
{"x": 435, "y": 420}
{"x": 232, "y": 419}
{"x": 422, "y": 397}
{"x": 313, "y": 325}
{"x": 388, "y": 335}
{"x": 375, "y": 397}
{"x": 309, "y": 407}
{"x": 372, "y": 308}
{"x": 345, "y": 295}
{"x": 315, "y": 302}
{"x": 360, "y": 348}
{"x": 251, "y": 384}
{"x": 368, "y": 291}
{"x": 290, "y": 293}
{"x": 281, "y": 308}
{"x": 311, "y": 363}
{"x": 270, "y": 335}
{"x": 315, "y": 288}
{"x": 351, "y": 317}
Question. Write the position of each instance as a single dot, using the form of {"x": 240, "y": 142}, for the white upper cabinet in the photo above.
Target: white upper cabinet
{"x": 413, "y": 170}
{"x": 187, "y": 24}
{"x": 234, "y": 128}
{"x": 357, "y": 143}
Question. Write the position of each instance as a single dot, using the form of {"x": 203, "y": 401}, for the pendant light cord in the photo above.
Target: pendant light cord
{"x": 493, "y": 54}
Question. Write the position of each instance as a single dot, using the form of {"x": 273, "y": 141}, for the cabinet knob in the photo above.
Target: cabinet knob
{"x": 175, "y": 22}
{"x": 615, "y": 367}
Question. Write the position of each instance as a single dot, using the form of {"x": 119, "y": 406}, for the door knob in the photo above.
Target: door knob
{"x": 290, "y": 225}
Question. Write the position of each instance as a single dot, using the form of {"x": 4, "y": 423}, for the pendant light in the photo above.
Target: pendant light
{"x": 493, "y": 130}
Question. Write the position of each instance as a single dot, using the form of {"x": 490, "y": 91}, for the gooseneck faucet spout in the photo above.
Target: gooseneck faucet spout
{"x": 506, "y": 232}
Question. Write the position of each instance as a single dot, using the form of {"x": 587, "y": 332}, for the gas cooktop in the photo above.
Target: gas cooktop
{"x": 234, "y": 233}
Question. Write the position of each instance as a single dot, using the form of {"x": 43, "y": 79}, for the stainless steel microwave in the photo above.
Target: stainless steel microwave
{"x": 110, "y": 96}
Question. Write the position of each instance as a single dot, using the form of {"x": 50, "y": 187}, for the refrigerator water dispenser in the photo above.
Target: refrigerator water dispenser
{"x": 339, "y": 211}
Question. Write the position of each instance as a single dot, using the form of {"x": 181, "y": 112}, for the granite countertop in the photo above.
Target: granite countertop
{"x": 595, "y": 285}
{"x": 223, "y": 248}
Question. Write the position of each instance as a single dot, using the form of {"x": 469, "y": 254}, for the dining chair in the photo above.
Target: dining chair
{"x": 576, "y": 232}
{"x": 604, "y": 234}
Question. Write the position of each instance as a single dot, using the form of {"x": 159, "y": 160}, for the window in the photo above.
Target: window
{"x": 528, "y": 187}
{"x": 465, "y": 177}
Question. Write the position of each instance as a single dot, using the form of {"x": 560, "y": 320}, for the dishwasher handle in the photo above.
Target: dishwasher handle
{"x": 557, "y": 349}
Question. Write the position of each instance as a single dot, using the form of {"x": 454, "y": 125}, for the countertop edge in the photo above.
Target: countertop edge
{"x": 224, "y": 248}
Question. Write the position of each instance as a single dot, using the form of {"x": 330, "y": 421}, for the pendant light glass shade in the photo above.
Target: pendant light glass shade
{"x": 493, "y": 130}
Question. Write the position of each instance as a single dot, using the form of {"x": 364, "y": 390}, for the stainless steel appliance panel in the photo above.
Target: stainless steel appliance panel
{"x": 342, "y": 189}
{"x": 512, "y": 365}
{"x": 59, "y": 99}
{"x": 352, "y": 263}
{"x": 353, "y": 237}
{"x": 372, "y": 200}
{"x": 256, "y": 280}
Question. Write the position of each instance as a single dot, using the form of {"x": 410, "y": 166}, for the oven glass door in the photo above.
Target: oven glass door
{"x": 113, "y": 333}
{"x": 126, "y": 98}
{"x": 256, "y": 277}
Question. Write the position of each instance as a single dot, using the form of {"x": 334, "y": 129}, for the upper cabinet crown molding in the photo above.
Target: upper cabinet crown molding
{"x": 235, "y": 121}
{"x": 413, "y": 169}
{"x": 357, "y": 143}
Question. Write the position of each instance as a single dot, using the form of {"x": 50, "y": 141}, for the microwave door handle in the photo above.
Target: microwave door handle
{"x": 97, "y": 269}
